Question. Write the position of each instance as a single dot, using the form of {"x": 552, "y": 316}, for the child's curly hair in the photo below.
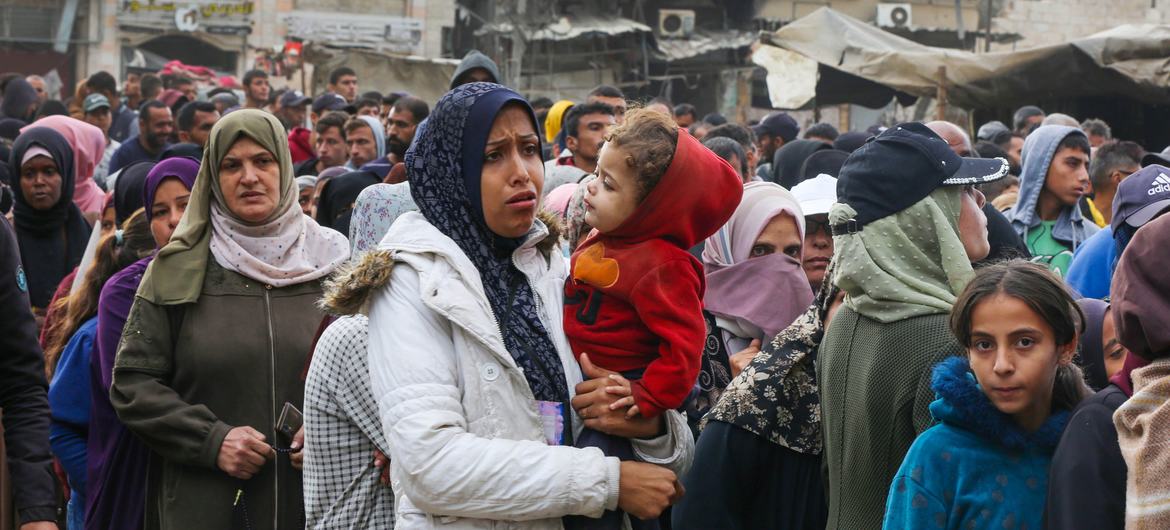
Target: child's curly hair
{"x": 649, "y": 139}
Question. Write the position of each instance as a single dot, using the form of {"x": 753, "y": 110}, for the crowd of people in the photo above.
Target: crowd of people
{"x": 257, "y": 309}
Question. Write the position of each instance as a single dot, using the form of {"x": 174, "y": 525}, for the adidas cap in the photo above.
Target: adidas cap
{"x": 1142, "y": 196}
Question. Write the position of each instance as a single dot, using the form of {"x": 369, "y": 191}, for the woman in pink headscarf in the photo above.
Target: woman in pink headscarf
{"x": 89, "y": 143}
{"x": 755, "y": 285}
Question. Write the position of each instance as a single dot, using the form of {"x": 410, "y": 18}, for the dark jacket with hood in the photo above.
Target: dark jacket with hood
{"x": 635, "y": 296}
{"x": 23, "y": 391}
{"x": 975, "y": 469}
{"x": 474, "y": 59}
{"x": 19, "y": 96}
{"x": 1071, "y": 228}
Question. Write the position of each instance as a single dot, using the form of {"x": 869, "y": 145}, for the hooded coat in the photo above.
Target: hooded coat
{"x": 19, "y": 96}
{"x": 474, "y": 59}
{"x": 976, "y": 468}
{"x": 635, "y": 297}
{"x": 1071, "y": 229}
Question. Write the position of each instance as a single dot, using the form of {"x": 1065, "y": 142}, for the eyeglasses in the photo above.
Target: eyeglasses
{"x": 813, "y": 226}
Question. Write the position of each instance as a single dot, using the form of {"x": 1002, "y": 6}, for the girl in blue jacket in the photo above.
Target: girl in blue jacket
{"x": 1001, "y": 410}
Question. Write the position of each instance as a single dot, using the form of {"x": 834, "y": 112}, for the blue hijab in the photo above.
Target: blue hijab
{"x": 444, "y": 165}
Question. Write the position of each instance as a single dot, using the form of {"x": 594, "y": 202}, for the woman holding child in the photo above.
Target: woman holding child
{"x": 479, "y": 394}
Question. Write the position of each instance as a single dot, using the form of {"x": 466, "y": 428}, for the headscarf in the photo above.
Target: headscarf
{"x": 1139, "y": 293}
{"x": 904, "y": 265}
{"x": 51, "y": 241}
{"x": 557, "y": 201}
{"x": 19, "y": 95}
{"x": 444, "y": 164}
{"x": 1092, "y": 351}
{"x": 553, "y": 120}
{"x": 128, "y": 190}
{"x": 306, "y": 182}
{"x": 337, "y": 198}
{"x": 285, "y": 249}
{"x": 760, "y": 296}
{"x": 89, "y": 145}
{"x": 182, "y": 168}
{"x": 790, "y": 158}
{"x": 376, "y": 208}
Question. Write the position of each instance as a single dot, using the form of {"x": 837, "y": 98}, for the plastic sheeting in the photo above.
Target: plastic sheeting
{"x": 862, "y": 64}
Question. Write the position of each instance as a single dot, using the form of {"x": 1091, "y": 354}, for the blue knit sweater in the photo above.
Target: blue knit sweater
{"x": 976, "y": 469}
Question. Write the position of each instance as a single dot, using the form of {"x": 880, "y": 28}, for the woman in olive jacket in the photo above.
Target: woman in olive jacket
{"x": 215, "y": 343}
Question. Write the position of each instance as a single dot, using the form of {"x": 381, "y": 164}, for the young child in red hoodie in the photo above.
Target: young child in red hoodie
{"x": 633, "y": 300}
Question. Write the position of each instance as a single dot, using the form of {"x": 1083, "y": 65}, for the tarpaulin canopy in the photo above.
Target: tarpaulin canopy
{"x": 831, "y": 58}
{"x": 426, "y": 78}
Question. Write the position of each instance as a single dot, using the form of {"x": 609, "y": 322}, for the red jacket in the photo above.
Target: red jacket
{"x": 634, "y": 299}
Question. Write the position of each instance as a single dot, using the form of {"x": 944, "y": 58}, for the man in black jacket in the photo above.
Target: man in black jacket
{"x": 23, "y": 394}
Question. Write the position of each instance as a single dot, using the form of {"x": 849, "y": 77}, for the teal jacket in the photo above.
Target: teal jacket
{"x": 975, "y": 469}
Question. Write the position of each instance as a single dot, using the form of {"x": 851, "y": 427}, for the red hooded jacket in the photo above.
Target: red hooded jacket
{"x": 634, "y": 299}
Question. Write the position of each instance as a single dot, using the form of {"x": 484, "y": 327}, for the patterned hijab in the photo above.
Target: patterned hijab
{"x": 285, "y": 249}
{"x": 444, "y": 165}
{"x": 376, "y": 208}
{"x": 907, "y": 264}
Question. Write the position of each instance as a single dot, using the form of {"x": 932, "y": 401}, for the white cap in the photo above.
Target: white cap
{"x": 816, "y": 195}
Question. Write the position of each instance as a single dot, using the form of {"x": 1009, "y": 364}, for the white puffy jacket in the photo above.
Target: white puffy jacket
{"x": 466, "y": 442}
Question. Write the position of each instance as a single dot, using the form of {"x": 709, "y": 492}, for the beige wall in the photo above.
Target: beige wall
{"x": 1044, "y": 22}
{"x": 926, "y": 13}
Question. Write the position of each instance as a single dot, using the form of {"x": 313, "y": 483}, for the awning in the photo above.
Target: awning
{"x": 425, "y": 78}
{"x": 704, "y": 42}
{"x": 567, "y": 28}
{"x": 855, "y": 62}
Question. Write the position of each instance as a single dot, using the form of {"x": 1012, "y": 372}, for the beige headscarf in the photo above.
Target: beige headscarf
{"x": 285, "y": 249}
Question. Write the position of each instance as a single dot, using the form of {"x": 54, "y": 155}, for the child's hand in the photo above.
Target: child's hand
{"x": 622, "y": 388}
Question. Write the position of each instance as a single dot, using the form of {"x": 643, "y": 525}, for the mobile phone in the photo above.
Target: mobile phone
{"x": 290, "y": 421}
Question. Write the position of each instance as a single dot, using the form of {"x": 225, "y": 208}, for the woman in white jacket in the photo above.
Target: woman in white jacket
{"x": 468, "y": 358}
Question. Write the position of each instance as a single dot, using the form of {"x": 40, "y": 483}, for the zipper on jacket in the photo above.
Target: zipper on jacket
{"x": 272, "y": 389}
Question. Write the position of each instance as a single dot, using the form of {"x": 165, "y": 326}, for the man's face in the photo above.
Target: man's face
{"x": 1096, "y": 140}
{"x": 201, "y": 130}
{"x": 347, "y": 87}
{"x": 295, "y": 115}
{"x": 331, "y": 148}
{"x": 38, "y": 84}
{"x": 156, "y": 127}
{"x": 100, "y": 118}
{"x": 684, "y": 121}
{"x": 189, "y": 90}
{"x": 362, "y": 148}
{"x": 373, "y": 111}
{"x": 1068, "y": 175}
{"x": 618, "y": 104}
{"x": 401, "y": 131}
{"x": 477, "y": 75}
{"x": 591, "y": 131}
{"x": 1014, "y": 149}
{"x": 258, "y": 90}
{"x": 131, "y": 87}
{"x": 767, "y": 145}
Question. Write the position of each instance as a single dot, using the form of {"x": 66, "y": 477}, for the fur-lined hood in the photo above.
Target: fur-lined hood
{"x": 350, "y": 286}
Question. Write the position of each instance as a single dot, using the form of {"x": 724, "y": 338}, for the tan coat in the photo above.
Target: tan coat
{"x": 186, "y": 375}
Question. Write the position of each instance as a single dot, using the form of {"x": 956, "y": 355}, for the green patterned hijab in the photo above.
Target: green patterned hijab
{"x": 904, "y": 265}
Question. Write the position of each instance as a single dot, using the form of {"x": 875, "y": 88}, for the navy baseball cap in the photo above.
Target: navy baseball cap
{"x": 328, "y": 101}
{"x": 1141, "y": 197}
{"x": 779, "y": 125}
{"x": 294, "y": 98}
{"x": 901, "y": 166}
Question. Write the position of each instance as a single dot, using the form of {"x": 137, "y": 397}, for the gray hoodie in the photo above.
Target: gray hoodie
{"x": 1039, "y": 149}
{"x": 474, "y": 59}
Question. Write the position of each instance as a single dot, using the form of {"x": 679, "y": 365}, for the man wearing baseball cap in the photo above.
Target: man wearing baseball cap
{"x": 97, "y": 113}
{"x": 771, "y": 134}
{"x": 906, "y": 227}
{"x": 1140, "y": 198}
{"x": 293, "y": 108}
{"x": 325, "y": 103}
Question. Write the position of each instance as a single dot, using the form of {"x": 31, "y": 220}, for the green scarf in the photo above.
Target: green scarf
{"x": 904, "y": 265}
{"x": 176, "y": 274}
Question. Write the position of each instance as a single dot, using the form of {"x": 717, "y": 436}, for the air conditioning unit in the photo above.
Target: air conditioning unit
{"x": 677, "y": 23}
{"x": 894, "y": 15}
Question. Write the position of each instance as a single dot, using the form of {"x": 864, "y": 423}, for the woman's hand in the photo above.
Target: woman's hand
{"x": 244, "y": 452}
{"x": 740, "y": 360}
{"x": 297, "y": 450}
{"x": 646, "y": 490}
{"x": 382, "y": 462}
{"x": 593, "y": 401}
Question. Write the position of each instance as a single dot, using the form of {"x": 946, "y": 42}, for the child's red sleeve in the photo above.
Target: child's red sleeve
{"x": 669, "y": 302}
